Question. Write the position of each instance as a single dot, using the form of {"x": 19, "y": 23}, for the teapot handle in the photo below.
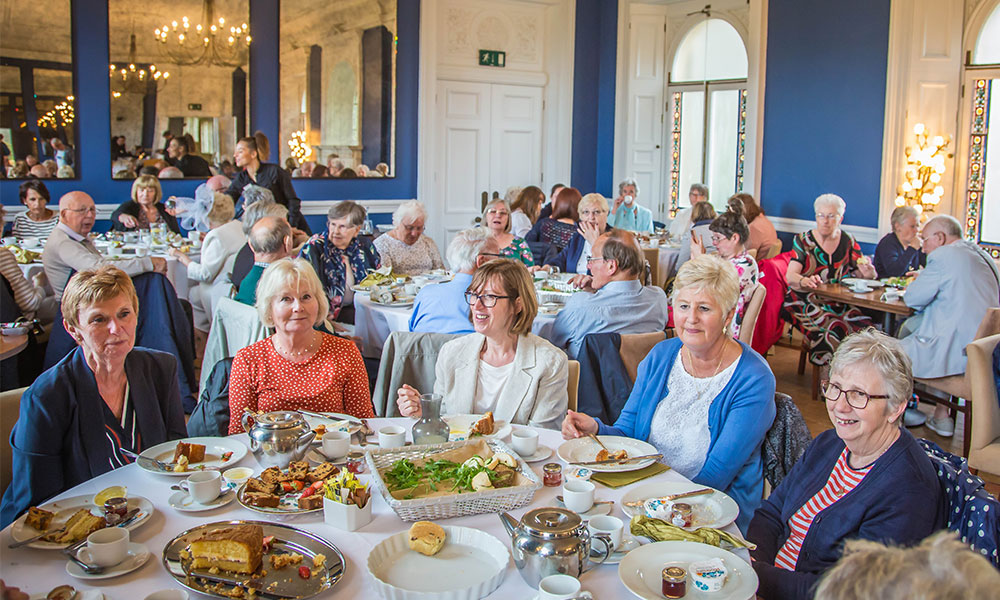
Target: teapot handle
{"x": 606, "y": 540}
{"x": 247, "y": 419}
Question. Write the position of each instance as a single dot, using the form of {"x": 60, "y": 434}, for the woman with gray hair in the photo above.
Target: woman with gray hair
{"x": 405, "y": 248}
{"x": 898, "y": 252}
{"x": 865, "y": 478}
{"x": 825, "y": 254}
{"x": 341, "y": 258}
{"x": 702, "y": 398}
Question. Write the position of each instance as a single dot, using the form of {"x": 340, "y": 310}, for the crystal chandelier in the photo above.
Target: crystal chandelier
{"x": 925, "y": 165}
{"x": 135, "y": 78}
{"x": 204, "y": 43}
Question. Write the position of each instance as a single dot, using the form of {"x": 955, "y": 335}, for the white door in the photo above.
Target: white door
{"x": 646, "y": 111}
{"x": 515, "y": 137}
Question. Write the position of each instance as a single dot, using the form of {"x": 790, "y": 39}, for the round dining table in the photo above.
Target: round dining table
{"x": 38, "y": 571}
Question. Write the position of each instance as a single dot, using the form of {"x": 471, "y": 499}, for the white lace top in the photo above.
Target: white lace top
{"x": 421, "y": 257}
{"x": 680, "y": 424}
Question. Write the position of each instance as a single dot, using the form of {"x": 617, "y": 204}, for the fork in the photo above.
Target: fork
{"x": 159, "y": 463}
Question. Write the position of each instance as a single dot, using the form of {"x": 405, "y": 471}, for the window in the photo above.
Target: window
{"x": 988, "y": 43}
{"x": 708, "y": 97}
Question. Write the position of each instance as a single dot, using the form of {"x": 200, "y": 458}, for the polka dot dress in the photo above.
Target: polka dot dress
{"x": 333, "y": 380}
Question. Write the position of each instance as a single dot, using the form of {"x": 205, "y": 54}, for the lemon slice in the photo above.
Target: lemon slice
{"x": 115, "y": 491}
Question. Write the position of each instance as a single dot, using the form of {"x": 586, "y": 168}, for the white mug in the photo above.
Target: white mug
{"x": 561, "y": 587}
{"x": 194, "y": 236}
{"x": 411, "y": 289}
{"x": 608, "y": 525}
{"x": 336, "y": 444}
{"x": 578, "y": 495}
{"x": 30, "y": 242}
{"x": 203, "y": 486}
{"x": 524, "y": 441}
{"x": 391, "y": 436}
{"x": 106, "y": 547}
{"x": 236, "y": 476}
{"x": 141, "y": 251}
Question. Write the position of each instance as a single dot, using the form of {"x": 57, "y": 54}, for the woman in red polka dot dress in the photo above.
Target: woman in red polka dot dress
{"x": 297, "y": 367}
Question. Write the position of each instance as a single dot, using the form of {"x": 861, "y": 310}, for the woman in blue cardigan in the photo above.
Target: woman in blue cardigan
{"x": 866, "y": 478}
{"x": 103, "y": 397}
{"x": 702, "y": 399}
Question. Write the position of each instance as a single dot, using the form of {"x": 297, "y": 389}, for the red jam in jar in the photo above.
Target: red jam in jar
{"x": 356, "y": 462}
{"x": 117, "y": 506}
{"x": 552, "y": 475}
{"x": 674, "y": 582}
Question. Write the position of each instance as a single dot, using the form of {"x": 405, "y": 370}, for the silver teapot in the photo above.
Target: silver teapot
{"x": 277, "y": 438}
{"x": 551, "y": 541}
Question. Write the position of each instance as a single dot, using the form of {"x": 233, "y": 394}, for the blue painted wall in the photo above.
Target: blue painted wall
{"x": 824, "y": 106}
{"x": 594, "y": 96}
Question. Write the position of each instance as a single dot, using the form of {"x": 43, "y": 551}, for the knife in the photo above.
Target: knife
{"x": 617, "y": 461}
{"x": 673, "y": 497}
{"x": 257, "y": 584}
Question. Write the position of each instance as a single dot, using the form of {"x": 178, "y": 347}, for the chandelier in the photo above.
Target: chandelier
{"x": 61, "y": 114}
{"x": 300, "y": 149}
{"x": 204, "y": 43}
{"x": 135, "y": 78}
{"x": 925, "y": 164}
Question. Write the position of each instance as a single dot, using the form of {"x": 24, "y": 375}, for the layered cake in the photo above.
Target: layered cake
{"x": 238, "y": 549}
{"x": 79, "y": 526}
{"x": 194, "y": 453}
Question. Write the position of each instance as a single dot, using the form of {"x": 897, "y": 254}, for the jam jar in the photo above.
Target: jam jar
{"x": 674, "y": 582}
{"x": 356, "y": 462}
{"x": 552, "y": 475}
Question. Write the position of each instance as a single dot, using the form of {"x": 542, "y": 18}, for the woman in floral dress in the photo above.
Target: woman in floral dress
{"x": 496, "y": 218}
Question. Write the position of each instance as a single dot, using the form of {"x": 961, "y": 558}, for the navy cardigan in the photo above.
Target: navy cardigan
{"x": 570, "y": 255}
{"x": 899, "y": 501}
{"x": 59, "y": 440}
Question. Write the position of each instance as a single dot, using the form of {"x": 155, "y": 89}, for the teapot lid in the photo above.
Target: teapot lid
{"x": 280, "y": 419}
{"x": 551, "y": 522}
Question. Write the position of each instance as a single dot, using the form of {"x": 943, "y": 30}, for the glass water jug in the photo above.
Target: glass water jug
{"x": 431, "y": 428}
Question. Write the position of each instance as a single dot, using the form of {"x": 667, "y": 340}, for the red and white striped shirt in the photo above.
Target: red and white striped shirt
{"x": 843, "y": 479}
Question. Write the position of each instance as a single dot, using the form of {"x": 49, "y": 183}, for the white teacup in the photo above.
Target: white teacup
{"x": 168, "y": 595}
{"x": 860, "y": 288}
{"x": 336, "y": 444}
{"x": 194, "y": 236}
{"x": 114, "y": 250}
{"x": 421, "y": 280}
{"x": 561, "y": 587}
{"x": 608, "y": 525}
{"x": 391, "y": 436}
{"x": 30, "y": 242}
{"x": 203, "y": 487}
{"x": 141, "y": 251}
{"x": 578, "y": 495}
{"x": 106, "y": 547}
{"x": 237, "y": 476}
{"x": 9, "y": 241}
{"x": 524, "y": 441}
{"x": 411, "y": 289}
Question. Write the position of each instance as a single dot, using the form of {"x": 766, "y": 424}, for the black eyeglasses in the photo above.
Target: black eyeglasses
{"x": 856, "y": 398}
{"x": 488, "y": 300}
{"x": 591, "y": 259}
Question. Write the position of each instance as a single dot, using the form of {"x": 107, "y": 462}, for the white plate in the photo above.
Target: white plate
{"x": 719, "y": 506}
{"x": 138, "y": 554}
{"x": 584, "y": 449}
{"x": 315, "y": 420}
{"x": 541, "y": 453}
{"x": 628, "y": 545}
{"x": 460, "y": 425}
{"x": 65, "y": 509}
{"x": 80, "y": 595}
{"x": 471, "y": 565}
{"x": 872, "y": 283}
{"x": 641, "y": 570}
{"x": 183, "y": 502}
{"x": 215, "y": 447}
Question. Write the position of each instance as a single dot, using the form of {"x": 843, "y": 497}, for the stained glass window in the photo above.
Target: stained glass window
{"x": 982, "y": 217}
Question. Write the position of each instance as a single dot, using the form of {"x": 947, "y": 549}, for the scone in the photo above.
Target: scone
{"x": 426, "y": 537}
{"x": 38, "y": 518}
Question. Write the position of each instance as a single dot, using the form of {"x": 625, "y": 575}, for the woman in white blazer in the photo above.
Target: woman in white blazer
{"x": 502, "y": 367}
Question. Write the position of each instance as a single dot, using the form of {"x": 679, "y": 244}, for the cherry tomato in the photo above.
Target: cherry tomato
{"x": 305, "y": 573}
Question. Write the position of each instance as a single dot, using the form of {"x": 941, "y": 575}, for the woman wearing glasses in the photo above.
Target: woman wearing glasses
{"x": 593, "y": 211}
{"x": 866, "y": 478}
{"x": 502, "y": 367}
{"x": 496, "y": 218}
{"x": 406, "y": 249}
{"x": 825, "y": 254}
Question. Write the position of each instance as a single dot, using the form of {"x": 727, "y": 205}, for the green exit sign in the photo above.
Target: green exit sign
{"x": 492, "y": 58}
{"x": 194, "y": 106}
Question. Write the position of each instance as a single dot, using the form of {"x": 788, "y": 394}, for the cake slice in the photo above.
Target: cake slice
{"x": 38, "y": 518}
{"x": 238, "y": 549}
{"x": 298, "y": 470}
{"x": 483, "y": 426}
{"x": 271, "y": 475}
{"x": 79, "y": 526}
{"x": 256, "y": 485}
{"x": 195, "y": 453}
{"x": 322, "y": 472}
{"x": 261, "y": 499}
{"x": 311, "y": 502}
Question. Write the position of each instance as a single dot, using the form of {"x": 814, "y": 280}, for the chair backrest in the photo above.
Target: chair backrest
{"x": 772, "y": 251}
{"x": 234, "y": 326}
{"x": 984, "y": 447}
{"x": 786, "y": 441}
{"x": 653, "y": 262}
{"x": 753, "y": 253}
{"x": 573, "y": 383}
{"x": 990, "y": 325}
{"x": 10, "y": 407}
{"x": 210, "y": 417}
{"x": 751, "y": 313}
{"x": 407, "y": 357}
{"x": 635, "y": 347}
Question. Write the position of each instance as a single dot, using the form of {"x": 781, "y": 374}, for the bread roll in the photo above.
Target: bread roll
{"x": 426, "y": 537}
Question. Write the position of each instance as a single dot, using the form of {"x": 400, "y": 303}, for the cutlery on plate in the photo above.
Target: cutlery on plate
{"x": 599, "y": 442}
{"x": 596, "y": 502}
{"x": 617, "y": 461}
{"x": 88, "y": 569}
{"x": 36, "y": 538}
{"x": 130, "y": 516}
{"x": 159, "y": 463}
{"x": 672, "y": 497}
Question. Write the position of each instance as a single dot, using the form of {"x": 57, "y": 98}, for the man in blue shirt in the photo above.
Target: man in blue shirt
{"x": 441, "y": 307}
{"x": 626, "y": 213}
{"x": 615, "y": 300}
{"x": 271, "y": 241}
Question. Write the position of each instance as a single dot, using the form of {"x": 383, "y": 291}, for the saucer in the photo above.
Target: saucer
{"x": 595, "y": 510}
{"x": 316, "y": 457}
{"x": 541, "y": 453}
{"x": 138, "y": 554}
{"x": 616, "y": 557}
{"x": 183, "y": 502}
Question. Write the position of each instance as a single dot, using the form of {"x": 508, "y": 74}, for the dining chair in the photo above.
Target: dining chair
{"x": 573, "y": 383}
{"x": 772, "y": 251}
{"x": 10, "y": 407}
{"x": 751, "y": 314}
{"x": 234, "y": 326}
{"x": 984, "y": 449}
{"x": 635, "y": 347}
{"x": 407, "y": 357}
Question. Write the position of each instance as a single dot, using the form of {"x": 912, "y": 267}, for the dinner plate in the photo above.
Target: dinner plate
{"x": 333, "y": 421}
{"x": 66, "y": 508}
{"x": 215, "y": 447}
{"x": 641, "y": 570}
{"x": 138, "y": 555}
{"x": 711, "y": 510}
{"x": 873, "y": 283}
{"x": 471, "y": 565}
{"x": 183, "y": 502}
{"x": 460, "y": 425}
{"x": 584, "y": 449}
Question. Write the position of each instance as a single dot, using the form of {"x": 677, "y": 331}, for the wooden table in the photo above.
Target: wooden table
{"x": 871, "y": 300}
{"x": 12, "y": 344}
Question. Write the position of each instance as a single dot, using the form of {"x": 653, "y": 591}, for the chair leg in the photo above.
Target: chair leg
{"x": 815, "y": 382}
{"x": 966, "y": 429}
{"x": 803, "y": 353}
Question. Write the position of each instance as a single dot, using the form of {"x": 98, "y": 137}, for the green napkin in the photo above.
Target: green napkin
{"x": 616, "y": 480}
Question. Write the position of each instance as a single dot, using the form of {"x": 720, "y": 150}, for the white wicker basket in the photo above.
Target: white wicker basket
{"x": 458, "y": 505}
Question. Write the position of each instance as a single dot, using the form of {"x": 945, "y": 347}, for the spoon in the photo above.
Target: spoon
{"x": 62, "y": 592}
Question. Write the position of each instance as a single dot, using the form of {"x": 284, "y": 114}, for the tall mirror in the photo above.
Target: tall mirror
{"x": 178, "y": 83}
{"x": 37, "y": 98}
{"x": 338, "y": 88}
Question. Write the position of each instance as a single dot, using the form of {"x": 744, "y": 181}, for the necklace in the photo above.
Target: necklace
{"x": 703, "y": 388}
{"x": 295, "y": 353}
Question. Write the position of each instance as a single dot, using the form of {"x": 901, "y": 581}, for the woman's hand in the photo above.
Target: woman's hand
{"x": 128, "y": 221}
{"x": 577, "y": 424}
{"x": 176, "y": 253}
{"x": 408, "y": 401}
{"x": 538, "y": 268}
{"x": 811, "y": 282}
{"x": 866, "y": 270}
{"x": 697, "y": 246}
{"x": 589, "y": 231}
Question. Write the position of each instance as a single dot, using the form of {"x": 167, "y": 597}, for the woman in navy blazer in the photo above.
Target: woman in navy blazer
{"x": 866, "y": 478}
{"x": 593, "y": 211}
{"x": 102, "y": 397}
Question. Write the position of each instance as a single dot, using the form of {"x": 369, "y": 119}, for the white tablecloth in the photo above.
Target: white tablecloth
{"x": 374, "y": 322}
{"x": 176, "y": 272}
{"x": 41, "y": 570}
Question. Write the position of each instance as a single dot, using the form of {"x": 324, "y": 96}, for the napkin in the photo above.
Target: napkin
{"x": 617, "y": 480}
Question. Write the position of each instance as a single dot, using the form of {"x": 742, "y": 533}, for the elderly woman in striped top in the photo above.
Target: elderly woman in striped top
{"x": 866, "y": 478}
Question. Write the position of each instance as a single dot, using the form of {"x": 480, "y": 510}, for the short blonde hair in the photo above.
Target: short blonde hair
{"x": 493, "y": 203}
{"x": 593, "y": 201}
{"x": 289, "y": 271}
{"x": 92, "y": 286}
{"x": 146, "y": 181}
{"x": 711, "y": 274}
{"x": 515, "y": 280}
{"x": 883, "y": 353}
{"x": 222, "y": 210}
